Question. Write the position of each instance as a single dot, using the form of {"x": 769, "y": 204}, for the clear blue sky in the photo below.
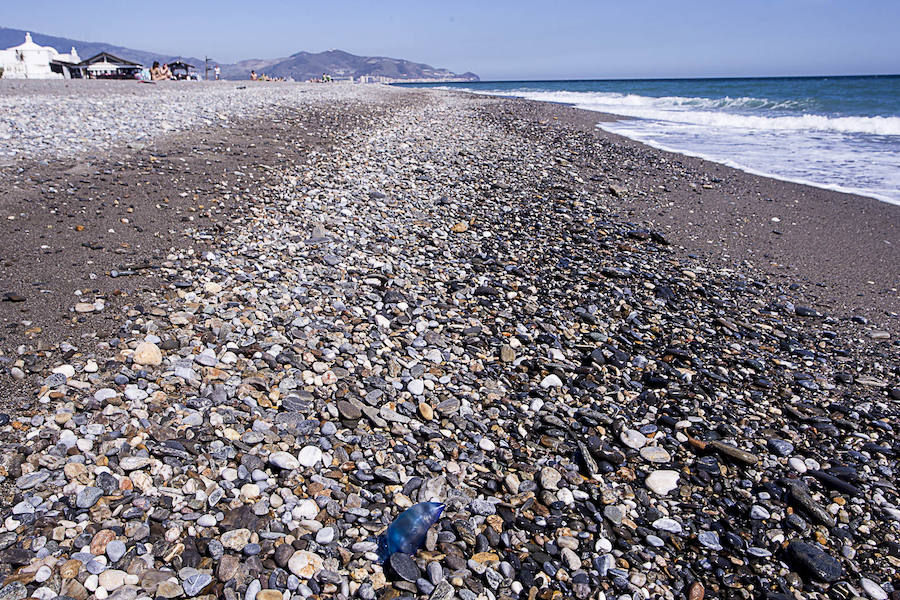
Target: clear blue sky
{"x": 505, "y": 39}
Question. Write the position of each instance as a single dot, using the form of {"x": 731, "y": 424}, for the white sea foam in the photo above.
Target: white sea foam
{"x": 702, "y": 111}
{"x": 773, "y": 138}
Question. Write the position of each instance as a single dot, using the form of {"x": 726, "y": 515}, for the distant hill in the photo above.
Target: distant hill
{"x": 300, "y": 66}
{"x": 338, "y": 64}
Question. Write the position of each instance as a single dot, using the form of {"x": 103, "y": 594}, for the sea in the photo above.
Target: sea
{"x": 839, "y": 133}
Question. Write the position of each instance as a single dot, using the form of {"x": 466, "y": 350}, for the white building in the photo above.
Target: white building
{"x": 30, "y": 61}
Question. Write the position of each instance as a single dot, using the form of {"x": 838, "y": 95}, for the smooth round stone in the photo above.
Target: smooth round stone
{"x": 416, "y": 387}
{"x": 112, "y": 579}
{"x": 404, "y": 566}
{"x": 348, "y": 411}
{"x": 633, "y": 439}
{"x": 655, "y": 541}
{"x": 147, "y": 354}
{"x": 655, "y": 454}
{"x": 309, "y": 456}
{"x": 115, "y": 550}
{"x": 780, "y": 447}
{"x": 325, "y": 535}
{"x": 551, "y": 381}
{"x": 43, "y": 574}
{"x": 306, "y": 509}
{"x": 249, "y": 491}
{"x": 710, "y": 539}
{"x": 207, "y": 521}
{"x": 133, "y": 463}
{"x": 284, "y": 460}
{"x": 96, "y": 565}
{"x": 662, "y": 482}
{"x": 875, "y": 591}
{"x": 550, "y": 478}
{"x": 669, "y": 525}
{"x": 797, "y": 464}
{"x": 487, "y": 445}
{"x": 435, "y": 572}
{"x": 91, "y": 582}
{"x": 759, "y": 512}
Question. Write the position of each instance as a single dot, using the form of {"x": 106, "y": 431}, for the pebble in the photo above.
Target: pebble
{"x": 88, "y": 497}
{"x": 486, "y": 445}
{"x": 662, "y": 481}
{"x": 669, "y": 525}
{"x": 305, "y": 564}
{"x": 551, "y": 381}
{"x": 194, "y": 584}
{"x": 814, "y": 562}
{"x": 147, "y": 353}
{"x": 309, "y": 456}
{"x": 404, "y": 566}
{"x": 416, "y": 387}
{"x": 633, "y": 439}
{"x": 284, "y": 460}
{"x": 325, "y": 535}
{"x": 115, "y": 550}
{"x": 655, "y": 454}
{"x": 550, "y": 478}
{"x": 874, "y": 591}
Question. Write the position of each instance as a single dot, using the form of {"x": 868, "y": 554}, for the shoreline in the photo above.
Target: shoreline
{"x": 612, "y": 117}
{"x": 377, "y": 298}
{"x": 841, "y": 241}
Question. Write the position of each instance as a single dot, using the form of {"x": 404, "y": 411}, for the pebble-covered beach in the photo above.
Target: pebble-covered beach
{"x": 235, "y": 348}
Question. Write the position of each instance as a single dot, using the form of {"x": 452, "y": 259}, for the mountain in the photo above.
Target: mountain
{"x": 340, "y": 64}
{"x": 300, "y": 66}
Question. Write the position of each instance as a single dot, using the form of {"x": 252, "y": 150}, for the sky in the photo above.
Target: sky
{"x": 524, "y": 39}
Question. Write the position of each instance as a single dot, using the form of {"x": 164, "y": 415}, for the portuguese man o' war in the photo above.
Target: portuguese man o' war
{"x": 407, "y": 532}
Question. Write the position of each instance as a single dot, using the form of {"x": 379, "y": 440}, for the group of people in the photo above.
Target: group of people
{"x": 254, "y": 76}
{"x": 160, "y": 73}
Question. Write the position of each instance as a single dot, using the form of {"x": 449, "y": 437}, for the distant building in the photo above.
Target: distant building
{"x": 31, "y": 61}
{"x": 105, "y": 66}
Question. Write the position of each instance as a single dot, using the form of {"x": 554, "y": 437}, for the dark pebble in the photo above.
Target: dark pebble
{"x": 814, "y": 562}
{"x": 404, "y": 566}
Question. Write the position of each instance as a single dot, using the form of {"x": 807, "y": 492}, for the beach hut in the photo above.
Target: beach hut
{"x": 106, "y": 66}
{"x": 181, "y": 70}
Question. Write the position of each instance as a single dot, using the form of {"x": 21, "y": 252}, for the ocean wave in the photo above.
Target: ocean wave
{"x": 713, "y": 112}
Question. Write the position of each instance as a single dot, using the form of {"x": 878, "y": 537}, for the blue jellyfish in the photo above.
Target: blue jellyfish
{"x": 407, "y": 532}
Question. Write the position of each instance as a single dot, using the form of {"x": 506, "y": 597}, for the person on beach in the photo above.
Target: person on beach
{"x": 158, "y": 73}
{"x": 253, "y": 76}
{"x": 217, "y": 71}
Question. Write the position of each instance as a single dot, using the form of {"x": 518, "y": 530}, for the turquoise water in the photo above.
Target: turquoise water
{"x": 839, "y": 133}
